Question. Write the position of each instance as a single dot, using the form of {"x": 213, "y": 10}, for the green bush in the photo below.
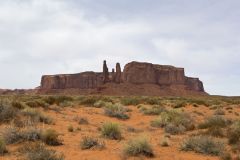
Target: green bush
{"x": 111, "y": 130}
{"x": 31, "y": 134}
{"x": 3, "y": 148}
{"x": 203, "y": 144}
{"x": 157, "y": 123}
{"x": 215, "y": 131}
{"x": 57, "y": 99}
{"x": 180, "y": 104}
{"x": 164, "y": 142}
{"x": 7, "y": 112}
{"x": 66, "y": 104}
{"x": 199, "y": 102}
{"x": 138, "y": 146}
{"x": 50, "y": 137}
{"x": 174, "y": 129}
{"x": 89, "y": 101}
{"x": 154, "y": 110}
{"x": 50, "y": 100}
{"x": 18, "y": 105}
{"x": 14, "y": 135}
{"x": 37, "y": 103}
{"x": 36, "y": 115}
{"x": 214, "y": 121}
{"x": 116, "y": 110}
{"x": 101, "y": 103}
{"x": 130, "y": 101}
{"x": 39, "y": 151}
{"x": 89, "y": 142}
{"x": 153, "y": 101}
{"x": 234, "y": 133}
{"x": 174, "y": 122}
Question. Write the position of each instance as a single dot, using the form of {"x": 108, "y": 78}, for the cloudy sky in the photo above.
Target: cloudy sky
{"x": 68, "y": 36}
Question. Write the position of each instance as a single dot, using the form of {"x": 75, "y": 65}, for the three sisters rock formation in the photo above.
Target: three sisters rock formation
{"x": 137, "y": 78}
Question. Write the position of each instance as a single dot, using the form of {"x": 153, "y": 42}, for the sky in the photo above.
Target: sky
{"x": 42, "y": 37}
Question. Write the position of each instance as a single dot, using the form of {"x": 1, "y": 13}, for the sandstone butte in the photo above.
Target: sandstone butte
{"x": 137, "y": 78}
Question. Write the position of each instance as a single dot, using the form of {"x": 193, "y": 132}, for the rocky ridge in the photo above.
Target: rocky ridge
{"x": 163, "y": 79}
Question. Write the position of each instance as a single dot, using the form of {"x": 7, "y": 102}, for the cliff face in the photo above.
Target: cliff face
{"x": 147, "y": 73}
{"x": 135, "y": 73}
{"x": 83, "y": 80}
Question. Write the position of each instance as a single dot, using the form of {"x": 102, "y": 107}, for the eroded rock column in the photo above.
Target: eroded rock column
{"x": 118, "y": 73}
{"x": 105, "y": 72}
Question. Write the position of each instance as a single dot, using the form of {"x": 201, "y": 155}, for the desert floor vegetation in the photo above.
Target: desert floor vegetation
{"x": 58, "y": 127}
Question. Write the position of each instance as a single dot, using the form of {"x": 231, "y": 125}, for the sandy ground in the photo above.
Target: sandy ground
{"x": 113, "y": 151}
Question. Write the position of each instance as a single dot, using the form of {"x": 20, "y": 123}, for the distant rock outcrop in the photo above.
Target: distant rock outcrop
{"x": 168, "y": 78}
{"x": 118, "y": 77}
{"x": 139, "y": 73}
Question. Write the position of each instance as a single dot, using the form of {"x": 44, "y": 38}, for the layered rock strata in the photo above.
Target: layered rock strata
{"x": 135, "y": 73}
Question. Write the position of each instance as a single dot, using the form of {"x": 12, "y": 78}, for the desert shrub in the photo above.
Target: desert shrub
{"x": 33, "y": 104}
{"x": 130, "y": 101}
{"x": 153, "y": 101}
{"x": 180, "y": 104}
{"x": 36, "y": 115}
{"x": 3, "y": 148}
{"x": 18, "y": 105}
{"x": 219, "y": 111}
{"x": 70, "y": 128}
{"x": 215, "y": 131}
{"x": 138, "y": 146}
{"x": 203, "y": 144}
{"x": 234, "y": 133}
{"x": 45, "y": 119}
{"x": 50, "y": 137}
{"x": 37, "y": 103}
{"x": 81, "y": 120}
{"x": 111, "y": 130}
{"x": 50, "y": 100}
{"x": 174, "y": 129}
{"x": 107, "y": 99}
{"x": 66, "y": 104}
{"x": 89, "y": 101}
{"x": 214, "y": 121}
{"x": 39, "y": 151}
{"x": 101, "y": 103}
{"x": 164, "y": 142}
{"x": 199, "y": 102}
{"x": 116, "y": 110}
{"x": 89, "y": 142}
{"x": 7, "y": 112}
{"x": 31, "y": 134}
{"x": 157, "y": 123}
{"x": 57, "y": 99}
{"x": 174, "y": 121}
{"x": 12, "y": 135}
{"x": 154, "y": 110}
